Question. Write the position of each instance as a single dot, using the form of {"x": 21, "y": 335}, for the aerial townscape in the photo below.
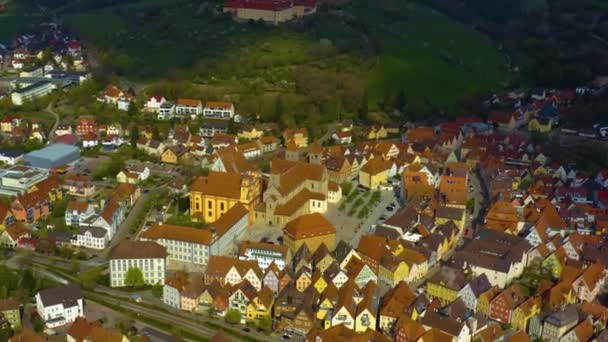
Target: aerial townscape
{"x": 303, "y": 170}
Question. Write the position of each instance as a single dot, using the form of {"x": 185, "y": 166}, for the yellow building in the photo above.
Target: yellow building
{"x": 446, "y": 284}
{"x": 299, "y": 136}
{"x": 522, "y": 314}
{"x": 374, "y": 172}
{"x": 250, "y": 133}
{"x": 376, "y": 132}
{"x": 483, "y": 302}
{"x": 51, "y": 186}
{"x": 212, "y": 196}
{"x": 312, "y": 230}
{"x": 392, "y": 270}
{"x": 302, "y": 280}
{"x": 540, "y": 125}
{"x": 261, "y": 305}
{"x": 173, "y": 155}
{"x": 6, "y": 217}
{"x": 318, "y": 281}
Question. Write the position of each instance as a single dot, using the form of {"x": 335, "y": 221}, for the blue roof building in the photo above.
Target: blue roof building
{"x": 52, "y": 156}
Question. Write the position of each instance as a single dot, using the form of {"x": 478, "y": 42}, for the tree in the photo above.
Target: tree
{"x": 279, "y": 107}
{"x": 233, "y": 316}
{"x": 134, "y": 277}
{"x": 27, "y": 282}
{"x": 400, "y": 101}
{"x": 74, "y": 266}
{"x": 265, "y": 323}
{"x": 134, "y": 135}
{"x": 364, "y": 108}
{"x": 133, "y": 111}
{"x": 90, "y": 277}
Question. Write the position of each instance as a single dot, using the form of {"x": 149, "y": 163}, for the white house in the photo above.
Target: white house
{"x": 166, "y": 110}
{"x": 110, "y": 218}
{"x": 89, "y": 140}
{"x": 149, "y": 257}
{"x": 264, "y": 253}
{"x": 77, "y": 212}
{"x": 218, "y": 110}
{"x": 153, "y": 104}
{"x": 91, "y": 237}
{"x": 10, "y": 156}
{"x": 188, "y": 107}
{"x": 124, "y": 102}
{"x": 60, "y": 305}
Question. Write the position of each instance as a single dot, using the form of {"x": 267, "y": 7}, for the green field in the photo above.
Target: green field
{"x": 10, "y": 25}
{"x": 431, "y": 56}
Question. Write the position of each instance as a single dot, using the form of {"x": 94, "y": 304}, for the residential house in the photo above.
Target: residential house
{"x": 188, "y": 107}
{"x": 590, "y": 282}
{"x": 183, "y": 292}
{"x": 211, "y": 127}
{"x": 12, "y": 236}
{"x": 261, "y": 305}
{"x": 77, "y": 185}
{"x": 154, "y": 102}
{"x": 60, "y": 305}
{"x": 472, "y": 291}
{"x": 458, "y": 330}
{"x": 265, "y": 254}
{"x": 174, "y": 154}
{"x": 446, "y": 284}
{"x": 233, "y": 271}
{"x": 85, "y": 331}
{"x": 298, "y": 136}
{"x": 521, "y": 315}
{"x": 374, "y": 173}
{"x": 269, "y": 144}
{"x": 10, "y": 311}
{"x": 91, "y": 237}
{"x": 86, "y": 125}
{"x": 505, "y": 302}
{"x": 77, "y": 212}
{"x": 557, "y": 324}
{"x": 218, "y": 110}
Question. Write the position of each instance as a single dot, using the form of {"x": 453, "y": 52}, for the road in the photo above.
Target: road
{"x": 123, "y": 229}
{"x": 49, "y": 109}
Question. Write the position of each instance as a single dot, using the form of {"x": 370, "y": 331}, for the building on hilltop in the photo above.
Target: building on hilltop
{"x": 273, "y": 11}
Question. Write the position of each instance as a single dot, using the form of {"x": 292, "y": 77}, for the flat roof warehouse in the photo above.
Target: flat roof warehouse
{"x": 52, "y": 156}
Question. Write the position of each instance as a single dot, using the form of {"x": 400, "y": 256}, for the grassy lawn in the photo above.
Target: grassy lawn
{"x": 46, "y": 119}
{"x": 11, "y": 25}
{"x": 419, "y": 56}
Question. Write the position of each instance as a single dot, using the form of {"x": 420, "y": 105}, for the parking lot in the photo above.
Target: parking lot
{"x": 350, "y": 228}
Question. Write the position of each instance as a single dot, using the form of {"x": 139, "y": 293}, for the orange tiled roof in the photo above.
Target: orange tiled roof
{"x": 307, "y": 226}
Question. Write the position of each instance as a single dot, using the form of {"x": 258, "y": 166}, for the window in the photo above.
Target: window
{"x": 209, "y": 205}
{"x": 222, "y": 206}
